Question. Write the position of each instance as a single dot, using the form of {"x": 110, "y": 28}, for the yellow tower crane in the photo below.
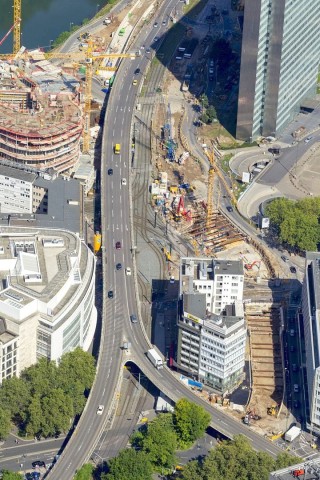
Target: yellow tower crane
{"x": 91, "y": 57}
{"x": 211, "y": 173}
{"x": 213, "y": 169}
{"x": 17, "y": 25}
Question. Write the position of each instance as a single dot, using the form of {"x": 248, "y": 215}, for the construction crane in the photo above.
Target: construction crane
{"x": 16, "y": 25}
{"x": 91, "y": 57}
{"x": 213, "y": 169}
{"x": 8, "y": 33}
{"x": 211, "y": 172}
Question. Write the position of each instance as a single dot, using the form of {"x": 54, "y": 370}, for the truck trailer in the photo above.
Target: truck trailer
{"x": 155, "y": 358}
{"x": 292, "y": 434}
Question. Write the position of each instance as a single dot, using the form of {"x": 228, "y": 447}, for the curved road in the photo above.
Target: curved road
{"x": 117, "y": 327}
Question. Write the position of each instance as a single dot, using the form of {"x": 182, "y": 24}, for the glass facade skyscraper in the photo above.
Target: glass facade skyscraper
{"x": 279, "y": 63}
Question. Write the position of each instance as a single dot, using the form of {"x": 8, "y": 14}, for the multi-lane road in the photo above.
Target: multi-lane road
{"x": 117, "y": 327}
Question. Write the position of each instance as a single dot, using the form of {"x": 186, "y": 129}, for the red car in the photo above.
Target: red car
{"x": 118, "y": 245}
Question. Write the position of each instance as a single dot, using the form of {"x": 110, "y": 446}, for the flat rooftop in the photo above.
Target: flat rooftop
{"x": 35, "y": 265}
{"x": 194, "y": 269}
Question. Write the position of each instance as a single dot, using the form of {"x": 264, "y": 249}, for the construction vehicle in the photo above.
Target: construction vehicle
{"x": 298, "y": 472}
{"x": 276, "y": 436}
{"x": 167, "y": 254}
{"x": 273, "y": 410}
{"x": 250, "y": 415}
{"x": 249, "y": 266}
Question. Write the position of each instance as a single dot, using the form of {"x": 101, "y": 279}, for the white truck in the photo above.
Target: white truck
{"x": 292, "y": 434}
{"x": 155, "y": 358}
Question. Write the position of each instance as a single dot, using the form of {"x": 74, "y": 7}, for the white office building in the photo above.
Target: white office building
{"x": 47, "y": 303}
{"x": 212, "y": 328}
{"x": 279, "y": 64}
{"x": 311, "y": 322}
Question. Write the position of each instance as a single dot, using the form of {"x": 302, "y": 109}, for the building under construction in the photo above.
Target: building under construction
{"x": 40, "y": 117}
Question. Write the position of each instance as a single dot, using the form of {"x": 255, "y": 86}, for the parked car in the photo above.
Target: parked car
{"x": 296, "y": 388}
{"x": 293, "y": 270}
{"x": 307, "y": 140}
{"x": 284, "y": 258}
{"x": 110, "y": 294}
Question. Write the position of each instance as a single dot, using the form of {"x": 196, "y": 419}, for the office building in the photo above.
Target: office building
{"x": 279, "y": 64}
{"x": 212, "y": 328}
{"x": 47, "y": 296}
{"x": 41, "y": 198}
{"x": 311, "y": 323}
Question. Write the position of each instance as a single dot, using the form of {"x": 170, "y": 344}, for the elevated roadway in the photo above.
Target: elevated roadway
{"x": 116, "y": 326}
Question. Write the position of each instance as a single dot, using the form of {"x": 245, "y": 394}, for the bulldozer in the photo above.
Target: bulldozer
{"x": 273, "y": 410}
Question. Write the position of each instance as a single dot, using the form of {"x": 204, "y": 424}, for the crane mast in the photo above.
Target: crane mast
{"x": 17, "y": 25}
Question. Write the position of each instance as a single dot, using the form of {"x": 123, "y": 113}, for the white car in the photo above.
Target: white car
{"x": 128, "y": 271}
{"x": 172, "y": 279}
{"x": 124, "y": 181}
{"x": 100, "y": 410}
{"x": 307, "y": 140}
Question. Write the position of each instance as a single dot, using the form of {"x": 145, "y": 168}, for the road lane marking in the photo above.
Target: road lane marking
{"x": 112, "y": 213}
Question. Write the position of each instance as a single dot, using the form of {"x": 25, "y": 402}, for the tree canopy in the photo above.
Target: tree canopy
{"x": 85, "y": 472}
{"x": 297, "y": 222}
{"x": 190, "y": 420}
{"x": 46, "y": 396}
{"x": 6, "y": 475}
{"x": 236, "y": 459}
{"x": 159, "y": 442}
{"x": 129, "y": 464}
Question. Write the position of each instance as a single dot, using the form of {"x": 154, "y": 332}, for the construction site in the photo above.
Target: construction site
{"x": 40, "y": 116}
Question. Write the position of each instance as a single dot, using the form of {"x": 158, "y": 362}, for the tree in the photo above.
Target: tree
{"x": 75, "y": 376}
{"x": 190, "y": 420}
{"x": 15, "y": 397}
{"x": 211, "y": 113}
{"x": 204, "y": 101}
{"x": 236, "y": 459}
{"x": 129, "y": 464}
{"x": 85, "y": 472}
{"x": 5, "y": 423}
{"x": 159, "y": 442}
{"x": 7, "y": 475}
{"x": 41, "y": 377}
{"x": 57, "y": 412}
{"x": 297, "y": 222}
